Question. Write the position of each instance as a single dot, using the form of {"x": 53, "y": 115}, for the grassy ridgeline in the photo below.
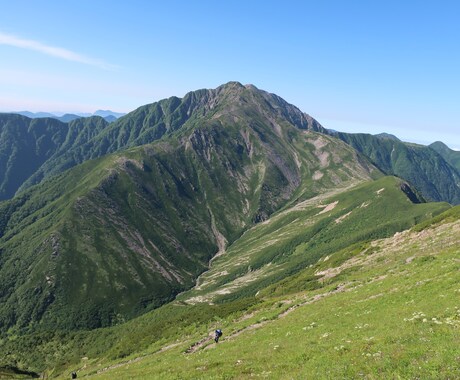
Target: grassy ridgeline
{"x": 388, "y": 312}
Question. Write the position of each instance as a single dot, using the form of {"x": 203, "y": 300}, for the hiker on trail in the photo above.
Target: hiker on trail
{"x": 218, "y": 334}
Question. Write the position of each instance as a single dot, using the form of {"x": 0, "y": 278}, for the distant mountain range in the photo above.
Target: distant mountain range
{"x": 106, "y": 114}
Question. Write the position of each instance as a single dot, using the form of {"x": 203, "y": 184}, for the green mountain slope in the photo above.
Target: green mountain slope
{"x": 421, "y": 166}
{"x": 378, "y": 297}
{"x": 120, "y": 235}
{"x": 26, "y": 144}
{"x": 302, "y": 234}
{"x": 451, "y": 156}
{"x": 386, "y": 310}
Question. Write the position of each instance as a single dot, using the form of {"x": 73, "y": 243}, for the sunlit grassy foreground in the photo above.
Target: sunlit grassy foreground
{"x": 390, "y": 311}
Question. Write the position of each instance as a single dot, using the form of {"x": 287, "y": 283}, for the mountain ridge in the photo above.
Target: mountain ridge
{"x": 168, "y": 116}
{"x": 426, "y": 169}
{"x": 238, "y": 160}
{"x": 150, "y": 122}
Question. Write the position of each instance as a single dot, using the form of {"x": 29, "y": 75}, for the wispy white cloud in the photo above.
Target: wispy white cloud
{"x": 8, "y": 39}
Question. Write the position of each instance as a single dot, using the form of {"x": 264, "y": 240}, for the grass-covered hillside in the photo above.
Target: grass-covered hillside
{"x": 388, "y": 308}
{"x": 257, "y": 278}
{"x": 301, "y": 234}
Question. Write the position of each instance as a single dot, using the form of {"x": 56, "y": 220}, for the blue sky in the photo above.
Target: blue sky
{"x": 357, "y": 66}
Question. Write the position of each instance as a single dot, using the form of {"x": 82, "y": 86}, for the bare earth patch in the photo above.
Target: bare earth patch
{"x": 328, "y": 207}
{"x": 317, "y": 175}
{"x": 339, "y": 220}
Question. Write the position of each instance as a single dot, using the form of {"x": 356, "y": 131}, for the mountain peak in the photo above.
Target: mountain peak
{"x": 439, "y": 145}
{"x": 451, "y": 156}
{"x": 106, "y": 113}
{"x": 387, "y": 136}
{"x": 251, "y": 87}
{"x": 233, "y": 83}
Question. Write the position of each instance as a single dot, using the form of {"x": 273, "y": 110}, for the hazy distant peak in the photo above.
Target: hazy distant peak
{"x": 34, "y": 115}
{"x": 387, "y": 136}
{"x": 105, "y": 113}
{"x": 439, "y": 144}
{"x": 450, "y": 155}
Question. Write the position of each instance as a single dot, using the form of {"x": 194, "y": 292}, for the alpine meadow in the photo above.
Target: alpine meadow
{"x": 126, "y": 242}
